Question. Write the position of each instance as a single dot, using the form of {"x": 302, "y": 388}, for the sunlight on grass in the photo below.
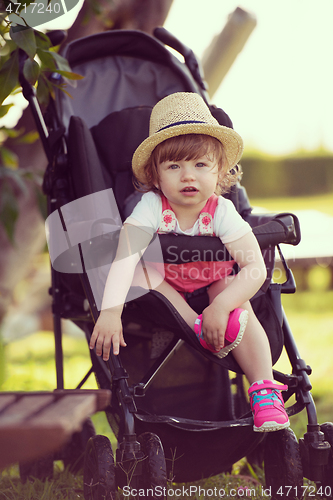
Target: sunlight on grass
{"x": 322, "y": 203}
{"x": 31, "y": 364}
{"x": 310, "y": 317}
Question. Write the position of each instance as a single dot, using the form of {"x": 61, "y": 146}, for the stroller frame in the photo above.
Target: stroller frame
{"x": 314, "y": 449}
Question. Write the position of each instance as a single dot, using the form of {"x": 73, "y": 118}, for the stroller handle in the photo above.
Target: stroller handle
{"x": 191, "y": 61}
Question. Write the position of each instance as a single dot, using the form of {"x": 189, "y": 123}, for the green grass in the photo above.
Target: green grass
{"x": 64, "y": 486}
{"x": 31, "y": 365}
{"x": 310, "y": 317}
{"x": 322, "y": 203}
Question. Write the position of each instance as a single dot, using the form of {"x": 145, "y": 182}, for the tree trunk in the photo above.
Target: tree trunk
{"x": 15, "y": 261}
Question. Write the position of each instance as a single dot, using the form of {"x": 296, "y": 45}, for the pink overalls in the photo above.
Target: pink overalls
{"x": 190, "y": 276}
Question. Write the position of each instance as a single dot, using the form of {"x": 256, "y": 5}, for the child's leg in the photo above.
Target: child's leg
{"x": 156, "y": 282}
{"x": 253, "y": 354}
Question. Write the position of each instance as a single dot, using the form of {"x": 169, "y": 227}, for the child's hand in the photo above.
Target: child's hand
{"x": 214, "y": 324}
{"x": 108, "y": 331}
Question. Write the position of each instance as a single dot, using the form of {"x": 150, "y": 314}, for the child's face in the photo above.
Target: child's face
{"x": 188, "y": 182}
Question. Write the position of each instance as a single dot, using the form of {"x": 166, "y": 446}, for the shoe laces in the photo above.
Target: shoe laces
{"x": 265, "y": 398}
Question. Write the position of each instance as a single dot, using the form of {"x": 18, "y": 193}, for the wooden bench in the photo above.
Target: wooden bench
{"x": 34, "y": 424}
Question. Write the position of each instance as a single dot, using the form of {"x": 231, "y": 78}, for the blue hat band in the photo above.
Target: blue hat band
{"x": 180, "y": 123}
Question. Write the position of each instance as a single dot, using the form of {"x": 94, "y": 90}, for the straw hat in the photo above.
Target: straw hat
{"x": 179, "y": 114}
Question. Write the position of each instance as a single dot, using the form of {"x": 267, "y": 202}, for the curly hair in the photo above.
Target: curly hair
{"x": 190, "y": 147}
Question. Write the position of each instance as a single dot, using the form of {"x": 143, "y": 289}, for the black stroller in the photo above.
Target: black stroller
{"x": 176, "y": 411}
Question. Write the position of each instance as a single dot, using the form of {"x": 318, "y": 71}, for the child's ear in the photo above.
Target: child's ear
{"x": 157, "y": 185}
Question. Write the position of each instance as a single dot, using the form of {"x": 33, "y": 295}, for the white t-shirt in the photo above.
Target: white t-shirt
{"x": 228, "y": 224}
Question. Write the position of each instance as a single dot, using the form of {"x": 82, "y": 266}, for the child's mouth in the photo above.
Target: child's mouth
{"x": 189, "y": 189}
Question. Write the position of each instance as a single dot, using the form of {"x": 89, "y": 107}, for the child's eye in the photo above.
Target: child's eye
{"x": 200, "y": 165}
{"x": 173, "y": 166}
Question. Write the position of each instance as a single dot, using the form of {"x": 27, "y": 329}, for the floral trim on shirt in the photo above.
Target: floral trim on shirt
{"x": 206, "y": 224}
{"x": 168, "y": 222}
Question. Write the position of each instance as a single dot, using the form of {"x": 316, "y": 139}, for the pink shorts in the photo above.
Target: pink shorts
{"x": 191, "y": 276}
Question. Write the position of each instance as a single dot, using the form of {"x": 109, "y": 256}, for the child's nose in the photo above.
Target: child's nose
{"x": 188, "y": 173}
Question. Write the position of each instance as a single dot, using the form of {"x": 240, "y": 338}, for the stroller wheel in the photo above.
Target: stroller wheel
{"x": 99, "y": 470}
{"x": 154, "y": 475}
{"x": 283, "y": 465}
{"x": 327, "y": 484}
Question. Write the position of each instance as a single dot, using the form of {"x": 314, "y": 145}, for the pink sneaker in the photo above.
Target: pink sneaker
{"x": 233, "y": 334}
{"x": 267, "y": 406}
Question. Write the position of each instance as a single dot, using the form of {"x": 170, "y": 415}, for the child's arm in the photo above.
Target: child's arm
{"x": 246, "y": 252}
{"x": 108, "y": 329}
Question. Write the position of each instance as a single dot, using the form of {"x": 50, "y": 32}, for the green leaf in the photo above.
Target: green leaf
{"x": 43, "y": 91}
{"x": 63, "y": 67}
{"x": 16, "y": 91}
{"x": 16, "y": 177}
{"x": 252, "y": 472}
{"x": 5, "y": 49}
{"x": 31, "y": 71}
{"x": 9, "y": 159}
{"x": 62, "y": 63}
{"x": 2, "y": 18}
{"x": 8, "y": 211}
{"x": 69, "y": 74}
{"x": 9, "y": 76}
{"x": 12, "y": 132}
{"x": 29, "y": 138}
{"x": 4, "y": 109}
{"x": 62, "y": 88}
{"x": 46, "y": 59}
{"x": 25, "y": 39}
{"x": 42, "y": 41}
{"x": 11, "y": 180}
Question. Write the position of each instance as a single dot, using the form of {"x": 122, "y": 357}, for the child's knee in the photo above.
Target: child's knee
{"x": 247, "y": 306}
